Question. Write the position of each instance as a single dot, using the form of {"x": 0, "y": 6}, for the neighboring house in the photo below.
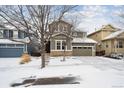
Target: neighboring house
{"x": 9, "y": 48}
{"x": 110, "y": 40}
{"x": 114, "y": 43}
{"x": 65, "y": 39}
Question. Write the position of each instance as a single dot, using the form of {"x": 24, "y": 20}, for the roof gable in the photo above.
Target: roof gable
{"x": 61, "y": 34}
{"x": 108, "y": 27}
{"x": 61, "y": 21}
{"x": 114, "y": 35}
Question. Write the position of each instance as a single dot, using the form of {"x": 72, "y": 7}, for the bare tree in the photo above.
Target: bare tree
{"x": 34, "y": 20}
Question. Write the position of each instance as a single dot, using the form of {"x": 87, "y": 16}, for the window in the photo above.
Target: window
{"x": 85, "y": 47}
{"x": 19, "y": 45}
{"x": 75, "y": 47}
{"x": 10, "y": 45}
{"x": 89, "y": 47}
{"x": 2, "y": 45}
{"x": 65, "y": 28}
{"x": 119, "y": 44}
{"x": 79, "y": 47}
{"x": 84, "y": 34}
{"x": 10, "y": 33}
{"x": 63, "y": 45}
{"x": 5, "y": 34}
{"x": 74, "y": 34}
{"x": 106, "y": 46}
{"x": 20, "y": 34}
{"x": 58, "y": 45}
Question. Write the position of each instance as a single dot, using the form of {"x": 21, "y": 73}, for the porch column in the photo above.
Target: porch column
{"x": 115, "y": 45}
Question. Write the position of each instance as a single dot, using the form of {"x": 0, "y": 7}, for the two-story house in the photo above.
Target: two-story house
{"x": 110, "y": 40}
{"x": 9, "y": 48}
{"x": 64, "y": 39}
{"x": 73, "y": 43}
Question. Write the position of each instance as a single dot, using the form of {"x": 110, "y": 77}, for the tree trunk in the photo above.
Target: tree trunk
{"x": 43, "y": 59}
{"x": 64, "y": 55}
{"x": 43, "y": 54}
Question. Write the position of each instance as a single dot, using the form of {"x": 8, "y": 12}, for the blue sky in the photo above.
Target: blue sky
{"x": 91, "y": 16}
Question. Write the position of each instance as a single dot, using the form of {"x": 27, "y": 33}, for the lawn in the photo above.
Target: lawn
{"x": 91, "y": 71}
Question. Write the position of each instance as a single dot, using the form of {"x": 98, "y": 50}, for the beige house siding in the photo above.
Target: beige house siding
{"x": 107, "y": 46}
{"x": 96, "y": 36}
{"x": 112, "y": 46}
{"x": 106, "y": 33}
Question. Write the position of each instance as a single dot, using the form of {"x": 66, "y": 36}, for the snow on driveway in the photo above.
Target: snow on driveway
{"x": 93, "y": 71}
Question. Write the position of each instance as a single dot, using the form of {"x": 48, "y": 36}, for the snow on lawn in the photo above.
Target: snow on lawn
{"x": 58, "y": 61}
{"x": 93, "y": 71}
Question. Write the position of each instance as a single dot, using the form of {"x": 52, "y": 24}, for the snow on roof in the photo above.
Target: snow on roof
{"x": 7, "y": 41}
{"x": 104, "y": 27}
{"x": 83, "y": 40}
{"x": 114, "y": 34}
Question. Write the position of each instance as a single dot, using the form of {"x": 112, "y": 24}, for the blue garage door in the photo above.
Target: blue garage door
{"x": 11, "y": 52}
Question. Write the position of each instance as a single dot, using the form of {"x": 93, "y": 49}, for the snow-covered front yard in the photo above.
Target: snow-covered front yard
{"x": 92, "y": 71}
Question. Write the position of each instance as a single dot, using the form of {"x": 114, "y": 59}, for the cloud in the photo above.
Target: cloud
{"x": 90, "y": 25}
{"x": 93, "y": 11}
{"x": 92, "y": 16}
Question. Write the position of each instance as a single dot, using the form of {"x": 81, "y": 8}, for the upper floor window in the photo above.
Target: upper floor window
{"x": 5, "y": 34}
{"x": 21, "y": 35}
{"x": 10, "y": 33}
{"x": 74, "y": 34}
{"x": 84, "y": 34}
{"x": 65, "y": 28}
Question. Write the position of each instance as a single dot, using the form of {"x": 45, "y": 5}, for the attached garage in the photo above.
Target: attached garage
{"x": 83, "y": 47}
{"x": 11, "y": 49}
{"x": 11, "y": 52}
{"x": 82, "y": 51}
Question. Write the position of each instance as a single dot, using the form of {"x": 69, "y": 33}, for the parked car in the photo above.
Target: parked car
{"x": 117, "y": 55}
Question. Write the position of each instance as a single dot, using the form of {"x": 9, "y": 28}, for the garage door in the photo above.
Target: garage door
{"x": 82, "y": 51}
{"x": 11, "y": 50}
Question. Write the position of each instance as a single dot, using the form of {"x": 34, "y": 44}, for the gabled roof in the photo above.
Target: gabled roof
{"x": 83, "y": 40}
{"x": 114, "y": 35}
{"x": 63, "y": 21}
{"x": 61, "y": 34}
{"x": 105, "y": 27}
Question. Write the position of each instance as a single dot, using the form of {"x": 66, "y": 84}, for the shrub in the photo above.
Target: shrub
{"x": 25, "y": 58}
